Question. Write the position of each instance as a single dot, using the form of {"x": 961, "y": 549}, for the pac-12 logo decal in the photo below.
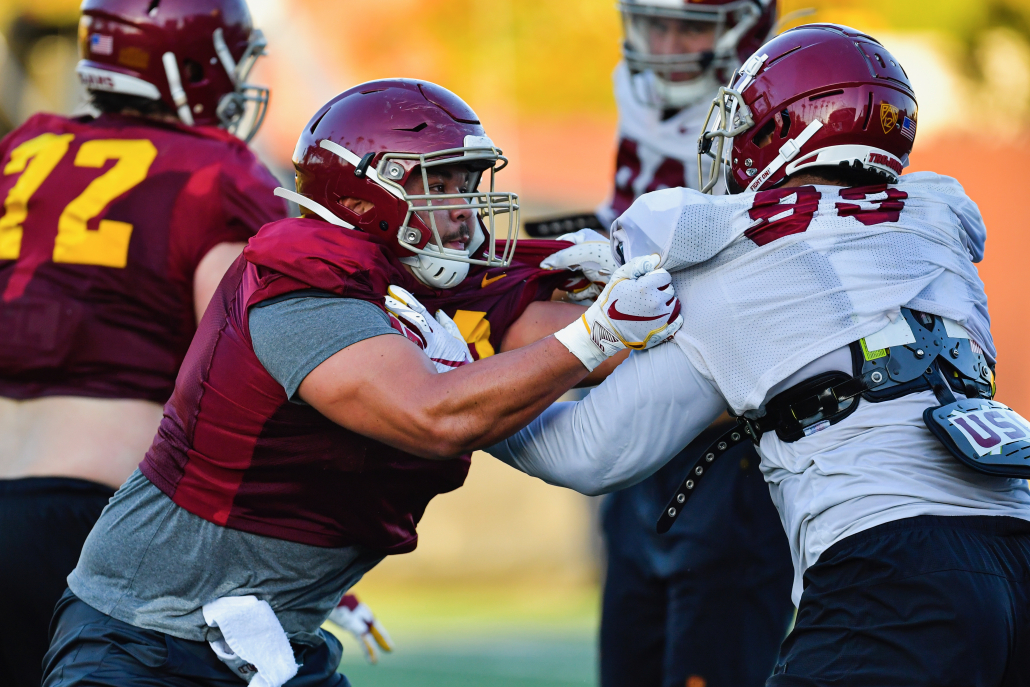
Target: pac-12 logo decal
{"x": 988, "y": 429}
{"x": 888, "y": 117}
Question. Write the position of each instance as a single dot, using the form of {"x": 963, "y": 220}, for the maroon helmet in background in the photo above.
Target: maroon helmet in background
{"x": 819, "y": 95}
{"x": 193, "y": 55}
{"x": 740, "y": 28}
{"x": 366, "y": 142}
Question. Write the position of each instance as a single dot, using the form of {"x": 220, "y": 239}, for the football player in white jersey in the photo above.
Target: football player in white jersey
{"x": 708, "y": 603}
{"x": 833, "y": 305}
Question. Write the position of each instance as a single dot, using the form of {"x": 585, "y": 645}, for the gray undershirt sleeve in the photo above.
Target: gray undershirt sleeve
{"x": 294, "y": 335}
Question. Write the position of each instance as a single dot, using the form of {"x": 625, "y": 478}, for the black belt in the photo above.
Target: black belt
{"x": 792, "y": 414}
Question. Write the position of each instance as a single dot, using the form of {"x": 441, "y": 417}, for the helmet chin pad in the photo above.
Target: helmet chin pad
{"x": 439, "y": 272}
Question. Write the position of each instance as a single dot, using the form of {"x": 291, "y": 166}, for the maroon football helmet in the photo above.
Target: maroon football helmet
{"x": 192, "y": 55}
{"x": 819, "y": 95}
{"x": 740, "y": 27}
{"x": 366, "y": 142}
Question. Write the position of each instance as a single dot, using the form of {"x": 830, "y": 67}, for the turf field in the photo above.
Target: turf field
{"x": 497, "y": 661}
{"x": 499, "y": 636}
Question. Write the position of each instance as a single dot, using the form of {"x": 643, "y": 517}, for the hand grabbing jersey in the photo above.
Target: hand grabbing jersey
{"x": 439, "y": 337}
{"x": 591, "y": 259}
{"x": 638, "y": 309}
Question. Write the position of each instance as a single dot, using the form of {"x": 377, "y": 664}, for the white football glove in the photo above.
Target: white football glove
{"x": 443, "y": 342}
{"x": 638, "y": 309}
{"x": 591, "y": 257}
{"x": 357, "y": 618}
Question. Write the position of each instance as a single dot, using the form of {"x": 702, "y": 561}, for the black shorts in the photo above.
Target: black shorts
{"x": 707, "y": 603}
{"x": 926, "y": 601}
{"x": 43, "y": 524}
{"x": 90, "y": 649}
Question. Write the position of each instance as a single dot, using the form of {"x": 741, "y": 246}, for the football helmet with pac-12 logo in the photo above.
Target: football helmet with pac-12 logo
{"x": 192, "y": 55}
{"x": 367, "y": 142}
{"x": 819, "y": 95}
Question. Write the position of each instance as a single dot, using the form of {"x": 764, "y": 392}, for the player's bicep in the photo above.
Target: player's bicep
{"x": 366, "y": 388}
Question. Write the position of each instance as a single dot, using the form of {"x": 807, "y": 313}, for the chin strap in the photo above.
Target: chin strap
{"x": 309, "y": 204}
{"x": 224, "y": 56}
{"x": 788, "y": 151}
{"x": 175, "y": 87}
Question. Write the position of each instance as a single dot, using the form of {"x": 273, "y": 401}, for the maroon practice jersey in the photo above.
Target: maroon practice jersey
{"x": 490, "y": 300}
{"x": 105, "y": 220}
{"x": 233, "y": 449}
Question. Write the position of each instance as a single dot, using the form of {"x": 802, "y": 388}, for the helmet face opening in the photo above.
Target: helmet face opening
{"x": 678, "y": 53}
{"x": 242, "y": 111}
{"x": 496, "y": 212}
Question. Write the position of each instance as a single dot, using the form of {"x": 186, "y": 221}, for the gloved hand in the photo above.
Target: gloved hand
{"x": 440, "y": 337}
{"x": 591, "y": 259}
{"x": 638, "y": 309}
{"x": 357, "y": 618}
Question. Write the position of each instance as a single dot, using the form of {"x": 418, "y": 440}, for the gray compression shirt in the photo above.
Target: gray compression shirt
{"x": 153, "y": 564}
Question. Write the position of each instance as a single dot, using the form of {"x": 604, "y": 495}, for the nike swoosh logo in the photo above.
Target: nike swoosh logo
{"x": 616, "y": 315}
{"x": 487, "y": 281}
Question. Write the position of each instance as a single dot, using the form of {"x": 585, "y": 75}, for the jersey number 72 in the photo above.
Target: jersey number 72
{"x": 36, "y": 158}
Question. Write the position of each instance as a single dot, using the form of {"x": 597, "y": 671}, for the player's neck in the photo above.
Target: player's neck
{"x": 157, "y": 117}
{"x": 803, "y": 179}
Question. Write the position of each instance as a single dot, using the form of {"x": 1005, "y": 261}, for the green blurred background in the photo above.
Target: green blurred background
{"x": 503, "y": 589}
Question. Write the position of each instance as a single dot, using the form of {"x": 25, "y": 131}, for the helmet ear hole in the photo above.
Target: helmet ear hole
{"x": 785, "y": 129}
{"x": 193, "y": 70}
{"x": 358, "y": 206}
{"x": 763, "y": 136}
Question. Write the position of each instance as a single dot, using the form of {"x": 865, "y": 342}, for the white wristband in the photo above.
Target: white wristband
{"x": 576, "y": 338}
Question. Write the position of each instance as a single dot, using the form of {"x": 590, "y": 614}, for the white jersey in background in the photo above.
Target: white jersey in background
{"x": 653, "y": 153}
{"x": 774, "y": 287}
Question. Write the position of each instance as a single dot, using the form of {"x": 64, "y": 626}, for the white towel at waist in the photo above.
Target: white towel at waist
{"x": 254, "y": 644}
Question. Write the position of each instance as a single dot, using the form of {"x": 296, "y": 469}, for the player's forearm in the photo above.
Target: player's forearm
{"x": 478, "y": 405}
{"x": 645, "y": 413}
{"x": 543, "y": 318}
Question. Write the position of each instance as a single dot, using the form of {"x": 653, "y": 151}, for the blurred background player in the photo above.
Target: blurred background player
{"x": 116, "y": 229}
{"x": 709, "y": 602}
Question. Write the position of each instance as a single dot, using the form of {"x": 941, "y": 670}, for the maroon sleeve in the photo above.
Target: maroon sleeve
{"x": 225, "y": 202}
{"x": 493, "y": 299}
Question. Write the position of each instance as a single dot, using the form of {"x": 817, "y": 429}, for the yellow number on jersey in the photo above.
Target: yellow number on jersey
{"x": 37, "y": 158}
{"x": 474, "y": 326}
{"x": 109, "y": 244}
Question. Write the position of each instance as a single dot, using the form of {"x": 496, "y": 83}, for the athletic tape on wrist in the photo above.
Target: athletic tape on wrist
{"x": 576, "y": 338}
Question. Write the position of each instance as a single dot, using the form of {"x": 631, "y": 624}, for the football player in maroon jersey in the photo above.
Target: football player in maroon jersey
{"x": 115, "y": 231}
{"x": 304, "y": 438}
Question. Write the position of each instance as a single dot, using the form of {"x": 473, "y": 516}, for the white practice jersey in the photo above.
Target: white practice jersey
{"x": 653, "y": 153}
{"x": 766, "y": 309}
{"x": 771, "y": 281}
